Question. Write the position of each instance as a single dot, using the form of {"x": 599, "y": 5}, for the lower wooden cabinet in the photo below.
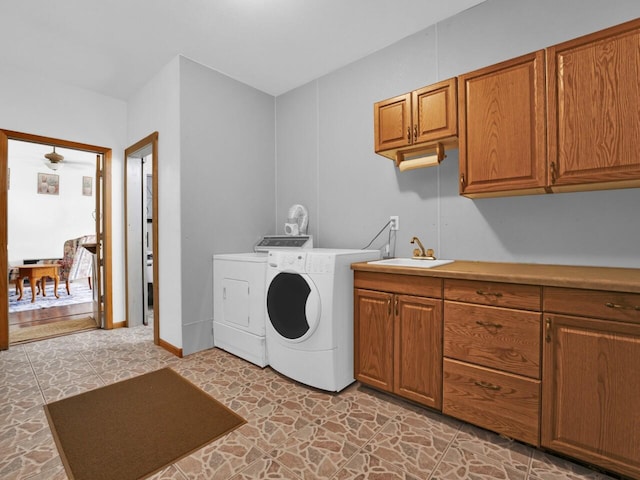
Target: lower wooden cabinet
{"x": 555, "y": 367}
{"x": 492, "y": 356}
{"x": 398, "y": 341}
{"x": 591, "y": 391}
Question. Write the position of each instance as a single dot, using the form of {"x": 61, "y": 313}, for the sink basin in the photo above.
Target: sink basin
{"x": 411, "y": 262}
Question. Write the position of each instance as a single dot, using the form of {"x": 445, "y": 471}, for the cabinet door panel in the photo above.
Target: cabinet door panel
{"x": 501, "y": 110}
{"x": 594, "y": 105}
{"x": 373, "y": 338}
{"x": 392, "y": 122}
{"x": 418, "y": 350}
{"x": 591, "y": 376}
{"x": 434, "y": 111}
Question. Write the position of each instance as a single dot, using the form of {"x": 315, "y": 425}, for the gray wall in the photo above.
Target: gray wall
{"x": 227, "y": 151}
{"x": 325, "y": 156}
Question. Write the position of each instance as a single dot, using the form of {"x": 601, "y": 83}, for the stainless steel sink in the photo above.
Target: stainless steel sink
{"x": 411, "y": 262}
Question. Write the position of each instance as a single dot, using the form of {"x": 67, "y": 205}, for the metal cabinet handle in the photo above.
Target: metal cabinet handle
{"x": 409, "y": 134}
{"x": 488, "y": 324}
{"x": 396, "y": 306}
{"x": 622, "y": 307}
{"x": 488, "y": 294}
{"x": 415, "y": 133}
{"x": 547, "y": 336}
{"x": 488, "y": 386}
{"x": 389, "y": 307}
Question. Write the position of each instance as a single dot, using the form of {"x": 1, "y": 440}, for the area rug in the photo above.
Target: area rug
{"x": 134, "y": 428}
{"x": 49, "y": 330}
{"x": 80, "y": 293}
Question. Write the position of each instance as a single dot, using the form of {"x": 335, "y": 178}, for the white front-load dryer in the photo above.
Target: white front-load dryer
{"x": 309, "y": 327}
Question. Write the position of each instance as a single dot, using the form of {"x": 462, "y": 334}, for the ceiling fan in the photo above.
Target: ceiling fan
{"x": 53, "y": 160}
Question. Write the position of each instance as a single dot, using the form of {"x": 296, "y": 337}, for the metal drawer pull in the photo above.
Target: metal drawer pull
{"x": 488, "y": 386}
{"x": 488, "y": 324}
{"x": 482, "y": 292}
{"x": 622, "y": 307}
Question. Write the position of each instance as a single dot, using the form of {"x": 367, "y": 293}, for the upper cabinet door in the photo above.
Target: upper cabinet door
{"x": 434, "y": 111}
{"x": 594, "y": 109}
{"x": 501, "y": 110}
{"x": 392, "y": 123}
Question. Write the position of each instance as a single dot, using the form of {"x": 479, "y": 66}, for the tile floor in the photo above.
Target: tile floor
{"x": 293, "y": 432}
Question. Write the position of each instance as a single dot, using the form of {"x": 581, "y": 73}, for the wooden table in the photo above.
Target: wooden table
{"x": 37, "y": 272}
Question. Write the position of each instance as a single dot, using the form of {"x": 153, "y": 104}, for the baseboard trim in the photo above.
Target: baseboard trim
{"x": 119, "y": 324}
{"x": 170, "y": 348}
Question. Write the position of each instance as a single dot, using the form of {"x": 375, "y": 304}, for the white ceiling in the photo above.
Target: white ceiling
{"x": 115, "y": 46}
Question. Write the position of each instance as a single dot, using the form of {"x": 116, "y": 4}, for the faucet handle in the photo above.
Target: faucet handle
{"x": 417, "y": 252}
{"x": 431, "y": 254}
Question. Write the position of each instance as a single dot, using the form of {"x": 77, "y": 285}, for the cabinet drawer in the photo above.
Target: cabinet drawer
{"x": 502, "y": 402}
{"x": 509, "y": 295}
{"x": 495, "y": 337}
{"x": 396, "y": 283}
{"x": 624, "y": 307}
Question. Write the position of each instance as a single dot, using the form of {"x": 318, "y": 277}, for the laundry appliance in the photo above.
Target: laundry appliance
{"x": 239, "y": 309}
{"x": 309, "y": 328}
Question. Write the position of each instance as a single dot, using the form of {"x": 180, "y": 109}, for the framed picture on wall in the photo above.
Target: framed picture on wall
{"x": 87, "y": 186}
{"x": 48, "y": 184}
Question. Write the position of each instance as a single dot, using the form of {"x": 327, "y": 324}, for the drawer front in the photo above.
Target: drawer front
{"x": 502, "y": 402}
{"x": 508, "y": 295}
{"x": 624, "y": 307}
{"x": 396, "y": 283}
{"x": 494, "y": 337}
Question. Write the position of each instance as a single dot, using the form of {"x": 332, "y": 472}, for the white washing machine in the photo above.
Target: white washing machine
{"x": 238, "y": 305}
{"x": 309, "y": 328}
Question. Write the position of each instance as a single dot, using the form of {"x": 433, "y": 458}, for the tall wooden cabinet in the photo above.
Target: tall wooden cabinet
{"x": 398, "y": 335}
{"x": 414, "y": 121}
{"x": 591, "y": 377}
{"x": 501, "y": 110}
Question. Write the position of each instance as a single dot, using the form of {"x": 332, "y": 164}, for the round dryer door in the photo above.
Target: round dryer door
{"x": 293, "y": 306}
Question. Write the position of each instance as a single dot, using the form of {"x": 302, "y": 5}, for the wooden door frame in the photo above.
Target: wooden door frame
{"x": 152, "y": 140}
{"x": 5, "y": 136}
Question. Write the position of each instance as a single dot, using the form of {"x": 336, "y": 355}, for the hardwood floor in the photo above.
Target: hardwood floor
{"x": 43, "y": 316}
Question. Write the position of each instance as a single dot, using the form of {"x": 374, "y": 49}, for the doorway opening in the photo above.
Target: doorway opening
{"x": 141, "y": 234}
{"x": 53, "y": 194}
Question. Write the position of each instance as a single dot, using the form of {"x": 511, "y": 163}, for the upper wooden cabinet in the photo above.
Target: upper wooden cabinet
{"x": 594, "y": 110}
{"x": 579, "y": 132}
{"x": 502, "y": 128}
{"x": 415, "y": 121}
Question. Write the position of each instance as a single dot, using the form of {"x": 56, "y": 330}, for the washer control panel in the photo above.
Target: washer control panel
{"x": 301, "y": 262}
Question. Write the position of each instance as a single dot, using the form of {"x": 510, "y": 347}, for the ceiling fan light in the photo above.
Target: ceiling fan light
{"x": 52, "y": 165}
{"x": 53, "y": 160}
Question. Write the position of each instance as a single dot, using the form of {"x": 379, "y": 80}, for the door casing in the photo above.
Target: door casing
{"x": 150, "y": 140}
{"x": 104, "y": 200}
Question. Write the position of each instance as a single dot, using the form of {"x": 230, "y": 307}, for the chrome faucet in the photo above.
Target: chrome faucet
{"x": 420, "y": 252}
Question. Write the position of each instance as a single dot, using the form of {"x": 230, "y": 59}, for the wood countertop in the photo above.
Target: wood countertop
{"x": 593, "y": 278}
